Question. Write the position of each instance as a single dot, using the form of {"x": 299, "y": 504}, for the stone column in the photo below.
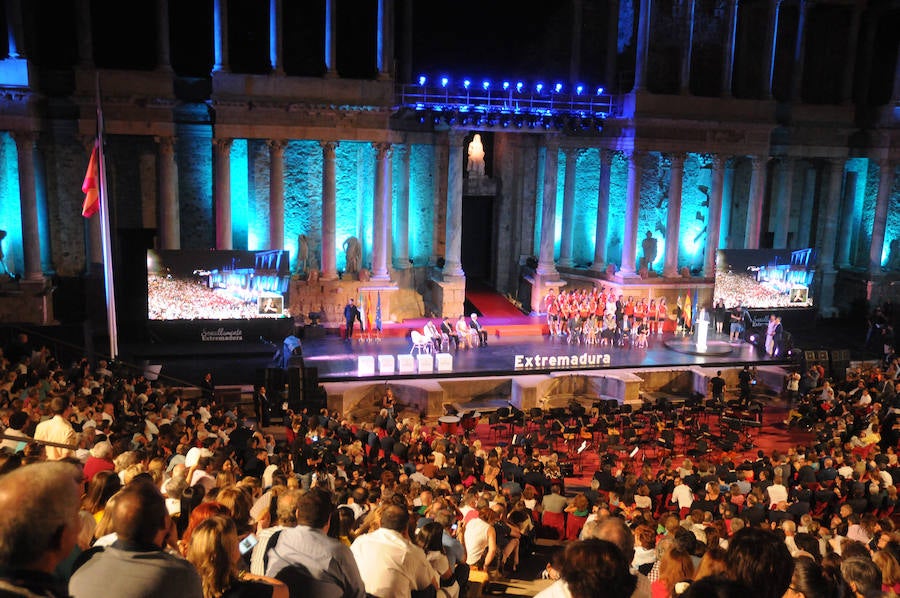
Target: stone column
{"x": 330, "y": 40}
{"x": 453, "y": 225}
{"x": 31, "y": 241}
{"x": 401, "y": 238}
{"x": 673, "y": 219}
{"x": 784, "y": 180}
{"x": 382, "y": 212}
{"x": 728, "y": 49}
{"x": 829, "y": 236}
{"x": 800, "y": 52}
{"x": 14, "y": 38}
{"x": 807, "y": 202}
{"x": 222, "y": 150}
{"x": 163, "y": 44}
{"x": 714, "y": 219}
{"x": 687, "y": 52}
{"x": 600, "y": 237}
{"x": 276, "y": 49}
{"x": 276, "y": 192}
{"x": 848, "y": 230}
{"x": 546, "y": 268}
{"x": 329, "y": 211}
{"x": 628, "y": 268}
{"x": 220, "y": 36}
{"x": 643, "y": 45}
{"x": 772, "y": 46}
{"x": 612, "y": 44}
{"x": 568, "y": 216}
{"x": 384, "y": 38}
{"x": 885, "y": 184}
{"x": 755, "y": 202}
{"x": 850, "y": 54}
{"x": 725, "y": 237}
{"x": 84, "y": 33}
{"x": 169, "y": 215}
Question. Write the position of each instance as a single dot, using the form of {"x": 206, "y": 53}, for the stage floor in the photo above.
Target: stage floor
{"x": 337, "y": 360}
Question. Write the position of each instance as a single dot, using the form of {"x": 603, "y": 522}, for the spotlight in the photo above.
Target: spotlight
{"x": 444, "y": 81}
{"x": 422, "y": 79}
{"x": 558, "y": 87}
{"x": 539, "y": 87}
{"x": 466, "y": 83}
{"x": 486, "y": 84}
{"x": 579, "y": 89}
{"x": 599, "y": 91}
{"x": 505, "y": 85}
{"x": 519, "y": 86}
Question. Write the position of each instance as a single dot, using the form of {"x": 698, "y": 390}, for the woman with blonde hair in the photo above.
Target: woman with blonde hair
{"x": 214, "y": 551}
{"x": 675, "y": 568}
{"x": 890, "y": 572}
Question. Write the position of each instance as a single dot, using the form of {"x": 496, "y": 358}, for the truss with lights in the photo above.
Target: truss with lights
{"x": 507, "y": 105}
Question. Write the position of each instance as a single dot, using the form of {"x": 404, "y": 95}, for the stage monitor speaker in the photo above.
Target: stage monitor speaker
{"x": 840, "y": 361}
{"x": 295, "y": 388}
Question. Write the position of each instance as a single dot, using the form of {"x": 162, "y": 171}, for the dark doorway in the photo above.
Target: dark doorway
{"x": 477, "y": 237}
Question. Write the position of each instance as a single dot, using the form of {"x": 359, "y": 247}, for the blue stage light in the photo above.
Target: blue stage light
{"x": 444, "y": 81}
{"x": 599, "y": 91}
{"x": 558, "y": 87}
{"x": 519, "y": 86}
{"x": 505, "y": 85}
{"x": 466, "y": 83}
{"x": 579, "y": 89}
{"x": 422, "y": 79}
{"x": 539, "y": 87}
{"x": 486, "y": 84}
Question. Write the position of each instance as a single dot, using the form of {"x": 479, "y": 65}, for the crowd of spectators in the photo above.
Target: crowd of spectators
{"x": 171, "y": 298}
{"x": 113, "y": 485}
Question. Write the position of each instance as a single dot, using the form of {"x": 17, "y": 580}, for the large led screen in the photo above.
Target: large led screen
{"x": 217, "y": 285}
{"x": 765, "y": 278}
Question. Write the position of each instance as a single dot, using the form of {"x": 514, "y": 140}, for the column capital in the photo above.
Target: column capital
{"x": 383, "y": 149}
{"x": 677, "y": 158}
{"x": 758, "y": 162}
{"x": 276, "y": 145}
{"x": 222, "y": 143}
{"x": 166, "y": 144}
{"x": 22, "y": 137}
{"x": 717, "y": 161}
{"x": 572, "y": 152}
{"x": 328, "y": 148}
{"x": 551, "y": 141}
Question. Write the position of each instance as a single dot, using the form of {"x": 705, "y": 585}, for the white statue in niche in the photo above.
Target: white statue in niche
{"x": 475, "y": 165}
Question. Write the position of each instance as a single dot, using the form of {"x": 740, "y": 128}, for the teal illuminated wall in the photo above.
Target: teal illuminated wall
{"x": 421, "y": 202}
{"x": 302, "y": 196}
{"x": 10, "y": 211}
{"x": 585, "y": 221}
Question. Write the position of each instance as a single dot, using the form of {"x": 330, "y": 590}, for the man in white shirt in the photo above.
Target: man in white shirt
{"x": 58, "y": 430}
{"x": 682, "y": 495}
{"x": 388, "y": 562}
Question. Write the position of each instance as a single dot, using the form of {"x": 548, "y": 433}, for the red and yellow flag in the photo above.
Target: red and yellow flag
{"x": 91, "y": 186}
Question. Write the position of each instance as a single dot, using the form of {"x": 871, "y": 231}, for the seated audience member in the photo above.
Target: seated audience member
{"x": 862, "y": 576}
{"x": 39, "y": 526}
{"x": 592, "y": 568}
{"x": 760, "y": 560}
{"x": 136, "y": 565}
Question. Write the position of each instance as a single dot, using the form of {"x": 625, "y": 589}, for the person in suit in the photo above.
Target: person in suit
{"x": 448, "y": 329}
{"x": 479, "y": 330}
{"x": 261, "y": 406}
{"x": 351, "y": 316}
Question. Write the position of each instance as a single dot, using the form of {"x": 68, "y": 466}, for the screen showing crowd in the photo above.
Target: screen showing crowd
{"x": 217, "y": 285}
{"x": 765, "y": 278}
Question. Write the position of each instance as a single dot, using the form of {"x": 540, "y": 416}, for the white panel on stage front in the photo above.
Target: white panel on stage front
{"x": 406, "y": 363}
{"x": 426, "y": 362}
{"x": 444, "y": 362}
{"x": 385, "y": 364}
{"x": 365, "y": 365}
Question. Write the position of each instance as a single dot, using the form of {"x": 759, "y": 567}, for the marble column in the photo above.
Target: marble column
{"x": 885, "y": 185}
{"x": 628, "y": 267}
{"x": 568, "y": 215}
{"x": 84, "y": 34}
{"x": 612, "y": 44}
{"x": 329, "y": 210}
{"x": 687, "y": 52}
{"x": 15, "y": 42}
{"x": 755, "y": 202}
{"x": 784, "y": 180}
{"x": 807, "y": 202}
{"x": 546, "y": 267}
{"x": 673, "y": 217}
{"x": 714, "y": 218}
{"x": 771, "y": 47}
{"x": 726, "y": 240}
{"x": 169, "y": 215}
{"x": 847, "y": 232}
{"x": 331, "y": 39}
{"x": 600, "y": 236}
{"x": 384, "y": 40}
{"x": 31, "y": 241}
{"x": 829, "y": 237}
{"x": 643, "y": 44}
{"x": 276, "y": 192}
{"x": 222, "y": 158}
{"x": 850, "y": 54}
{"x": 220, "y": 36}
{"x": 276, "y": 47}
{"x": 382, "y": 212}
{"x": 800, "y": 52}
{"x": 163, "y": 43}
{"x": 728, "y": 49}
{"x": 453, "y": 225}
{"x": 401, "y": 236}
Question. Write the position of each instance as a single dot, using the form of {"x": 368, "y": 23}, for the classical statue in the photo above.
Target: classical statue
{"x": 352, "y": 254}
{"x": 302, "y": 254}
{"x": 475, "y": 166}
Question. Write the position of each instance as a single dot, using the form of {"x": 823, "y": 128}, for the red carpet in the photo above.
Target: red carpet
{"x": 490, "y": 303}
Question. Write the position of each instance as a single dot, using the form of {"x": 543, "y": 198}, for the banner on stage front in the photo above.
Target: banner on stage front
{"x": 557, "y": 362}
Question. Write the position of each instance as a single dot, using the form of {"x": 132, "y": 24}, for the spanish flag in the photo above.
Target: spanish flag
{"x": 91, "y": 186}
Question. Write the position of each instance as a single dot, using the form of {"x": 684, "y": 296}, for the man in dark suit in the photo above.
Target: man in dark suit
{"x": 448, "y": 329}
{"x": 479, "y": 330}
{"x": 261, "y": 406}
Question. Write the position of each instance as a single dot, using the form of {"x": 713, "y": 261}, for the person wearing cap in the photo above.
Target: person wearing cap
{"x": 476, "y": 327}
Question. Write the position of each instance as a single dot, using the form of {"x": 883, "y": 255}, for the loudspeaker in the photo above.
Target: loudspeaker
{"x": 840, "y": 361}
{"x": 274, "y": 381}
{"x": 295, "y": 388}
